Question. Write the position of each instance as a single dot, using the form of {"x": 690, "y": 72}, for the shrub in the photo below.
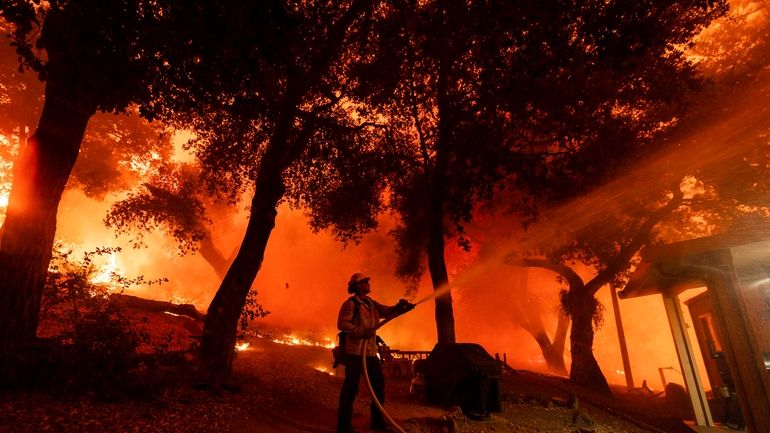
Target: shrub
{"x": 90, "y": 343}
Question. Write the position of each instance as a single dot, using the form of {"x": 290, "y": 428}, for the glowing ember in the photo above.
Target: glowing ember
{"x": 288, "y": 339}
{"x": 177, "y": 299}
{"x": 243, "y": 346}
{"x": 324, "y": 370}
{"x": 299, "y": 341}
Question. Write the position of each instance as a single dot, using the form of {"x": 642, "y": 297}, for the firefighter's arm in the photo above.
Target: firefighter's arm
{"x": 387, "y": 312}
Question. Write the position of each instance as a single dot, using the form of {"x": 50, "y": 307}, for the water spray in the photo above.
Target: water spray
{"x": 441, "y": 291}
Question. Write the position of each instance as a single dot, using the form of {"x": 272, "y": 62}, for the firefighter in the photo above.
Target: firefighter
{"x": 358, "y": 319}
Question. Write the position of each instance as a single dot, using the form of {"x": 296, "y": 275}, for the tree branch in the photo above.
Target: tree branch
{"x": 640, "y": 239}
{"x": 573, "y": 279}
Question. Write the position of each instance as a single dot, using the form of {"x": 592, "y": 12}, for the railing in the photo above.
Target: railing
{"x": 400, "y": 363}
{"x": 410, "y": 355}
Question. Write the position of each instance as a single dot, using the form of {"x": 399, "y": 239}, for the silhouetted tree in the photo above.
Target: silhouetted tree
{"x": 499, "y": 89}
{"x": 610, "y": 248}
{"x": 527, "y": 311}
{"x": 271, "y": 120}
{"x": 175, "y": 200}
{"x": 92, "y": 62}
{"x": 673, "y": 195}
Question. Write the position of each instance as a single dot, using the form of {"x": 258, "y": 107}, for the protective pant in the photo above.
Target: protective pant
{"x": 353, "y": 371}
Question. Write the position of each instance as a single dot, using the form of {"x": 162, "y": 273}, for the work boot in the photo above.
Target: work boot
{"x": 349, "y": 429}
{"x": 382, "y": 427}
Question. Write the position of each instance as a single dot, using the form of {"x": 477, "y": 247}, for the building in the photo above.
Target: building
{"x": 731, "y": 320}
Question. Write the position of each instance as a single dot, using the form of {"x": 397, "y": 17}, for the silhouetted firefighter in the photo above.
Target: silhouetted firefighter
{"x": 357, "y": 321}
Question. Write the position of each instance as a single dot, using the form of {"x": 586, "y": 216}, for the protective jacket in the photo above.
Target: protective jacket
{"x": 357, "y": 315}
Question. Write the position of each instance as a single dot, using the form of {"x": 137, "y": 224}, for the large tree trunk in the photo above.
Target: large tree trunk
{"x": 554, "y": 357}
{"x": 445, "y": 322}
{"x": 585, "y": 370}
{"x": 221, "y": 324}
{"x": 553, "y": 351}
{"x": 559, "y": 338}
{"x": 529, "y": 318}
{"x": 40, "y": 175}
{"x": 528, "y": 314}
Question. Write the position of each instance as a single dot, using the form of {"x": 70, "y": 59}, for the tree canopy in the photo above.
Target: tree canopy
{"x": 346, "y": 109}
{"x": 547, "y": 99}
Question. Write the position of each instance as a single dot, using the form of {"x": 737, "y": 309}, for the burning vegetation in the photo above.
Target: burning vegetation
{"x": 179, "y": 180}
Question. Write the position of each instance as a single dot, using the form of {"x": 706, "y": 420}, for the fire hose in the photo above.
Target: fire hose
{"x": 375, "y": 400}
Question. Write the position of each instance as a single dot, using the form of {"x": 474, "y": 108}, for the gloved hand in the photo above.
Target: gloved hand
{"x": 404, "y": 306}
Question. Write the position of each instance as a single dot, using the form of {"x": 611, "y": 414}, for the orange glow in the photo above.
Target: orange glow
{"x": 324, "y": 370}
{"x": 292, "y": 340}
{"x": 179, "y": 141}
{"x": 7, "y": 168}
{"x": 304, "y": 296}
{"x": 302, "y": 279}
{"x": 106, "y": 273}
{"x": 242, "y": 346}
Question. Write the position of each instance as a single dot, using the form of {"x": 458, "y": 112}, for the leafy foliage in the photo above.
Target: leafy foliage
{"x": 97, "y": 345}
{"x": 530, "y": 94}
{"x": 334, "y": 151}
{"x": 172, "y": 199}
{"x": 252, "y": 310}
{"x": 117, "y": 152}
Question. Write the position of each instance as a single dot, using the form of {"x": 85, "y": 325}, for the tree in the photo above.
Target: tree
{"x": 272, "y": 119}
{"x": 505, "y": 90}
{"x": 611, "y": 259}
{"x": 725, "y": 188}
{"x": 93, "y": 57}
{"x": 428, "y": 78}
{"x": 174, "y": 200}
{"x": 528, "y": 313}
{"x": 93, "y": 62}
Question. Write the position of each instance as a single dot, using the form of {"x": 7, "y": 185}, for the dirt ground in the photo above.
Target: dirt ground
{"x": 281, "y": 388}
{"x": 304, "y": 399}
{"x": 278, "y": 388}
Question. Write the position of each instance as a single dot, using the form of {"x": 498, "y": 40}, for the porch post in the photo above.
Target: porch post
{"x": 686, "y": 357}
{"x": 622, "y": 339}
